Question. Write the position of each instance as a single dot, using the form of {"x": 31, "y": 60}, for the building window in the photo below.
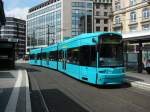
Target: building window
{"x": 105, "y": 6}
{"x": 89, "y": 5}
{"x": 117, "y": 29}
{"x": 97, "y": 6}
{"x": 133, "y": 16}
{"x": 105, "y": 13}
{"x": 97, "y": 21}
{"x": 105, "y": 21}
{"x": 117, "y": 5}
{"x": 97, "y": 13}
{"x": 146, "y": 13}
{"x": 117, "y": 20}
{"x": 105, "y": 29}
{"x": 146, "y": 27}
{"x": 97, "y": 28}
{"x": 133, "y": 28}
{"x": 132, "y": 2}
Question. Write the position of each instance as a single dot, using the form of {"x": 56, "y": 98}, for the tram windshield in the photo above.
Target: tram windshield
{"x": 111, "y": 52}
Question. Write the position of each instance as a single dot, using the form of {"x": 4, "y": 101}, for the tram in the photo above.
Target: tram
{"x": 95, "y": 58}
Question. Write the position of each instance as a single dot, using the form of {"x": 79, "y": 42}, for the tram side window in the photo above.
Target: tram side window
{"x": 39, "y": 56}
{"x": 73, "y": 56}
{"x": 93, "y": 56}
{"x": 32, "y": 57}
{"x": 44, "y": 56}
{"x": 60, "y": 55}
{"x": 47, "y": 56}
{"x": 88, "y": 56}
{"x": 53, "y": 56}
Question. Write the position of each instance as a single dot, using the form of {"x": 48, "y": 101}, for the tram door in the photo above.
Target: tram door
{"x": 64, "y": 59}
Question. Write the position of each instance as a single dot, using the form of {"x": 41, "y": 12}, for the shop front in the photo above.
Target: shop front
{"x": 137, "y": 51}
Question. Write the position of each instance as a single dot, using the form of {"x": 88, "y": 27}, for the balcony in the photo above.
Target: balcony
{"x": 145, "y": 19}
{"x": 133, "y": 22}
{"x": 117, "y": 25}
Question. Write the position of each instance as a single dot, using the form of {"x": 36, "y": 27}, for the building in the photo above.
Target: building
{"x": 2, "y": 14}
{"x": 102, "y": 15}
{"x": 56, "y": 20}
{"x": 7, "y": 54}
{"x": 132, "y": 18}
{"x": 15, "y": 29}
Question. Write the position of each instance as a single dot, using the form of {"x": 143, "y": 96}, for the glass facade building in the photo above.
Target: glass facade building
{"x": 56, "y": 20}
{"x": 44, "y": 25}
{"x": 81, "y": 17}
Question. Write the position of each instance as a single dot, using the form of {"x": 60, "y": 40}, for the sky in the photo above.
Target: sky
{"x": 19, "y": 8}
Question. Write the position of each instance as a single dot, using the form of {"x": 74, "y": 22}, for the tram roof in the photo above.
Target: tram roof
{"x": 87, "y": 35}
{"x": 79, "y": 37}
{"x": 35, "y": 51}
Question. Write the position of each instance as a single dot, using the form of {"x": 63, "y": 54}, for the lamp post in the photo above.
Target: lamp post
{"x": 48, "y": 33}
{"x": 33, "y": 42}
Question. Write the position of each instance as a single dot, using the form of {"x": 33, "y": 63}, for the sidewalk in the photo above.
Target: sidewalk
{"x": 14, "y": 91}
{"x": 140, "y": 80}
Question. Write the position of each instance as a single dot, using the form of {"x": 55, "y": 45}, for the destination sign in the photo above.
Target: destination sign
{"x": 111, "y": 40}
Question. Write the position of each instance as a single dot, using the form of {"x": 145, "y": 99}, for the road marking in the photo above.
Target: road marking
{"x": 12, "y": 103}
{"x": 139, "y": 84}
{"x": 28, "y": 101}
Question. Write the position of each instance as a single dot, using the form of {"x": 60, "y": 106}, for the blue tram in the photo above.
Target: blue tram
{"x": 96, "y": 58}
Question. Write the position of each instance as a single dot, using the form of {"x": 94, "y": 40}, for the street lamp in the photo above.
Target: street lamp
{"x": 48, "y": 33}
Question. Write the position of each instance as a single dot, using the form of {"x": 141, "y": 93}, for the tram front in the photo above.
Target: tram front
{"x": 110, "y": 59}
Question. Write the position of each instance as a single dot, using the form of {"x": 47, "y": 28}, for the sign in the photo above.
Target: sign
{"x": 110, "y": 40}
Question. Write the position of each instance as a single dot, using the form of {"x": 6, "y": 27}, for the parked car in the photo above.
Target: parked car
{"x": 147, "y": 67}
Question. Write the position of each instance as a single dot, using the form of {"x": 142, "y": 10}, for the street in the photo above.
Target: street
{"x": 55, "y": 92}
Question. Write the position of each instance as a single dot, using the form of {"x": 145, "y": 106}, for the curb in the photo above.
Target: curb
{"x": 138, "y": 84}
{"x": 28, "y": 100}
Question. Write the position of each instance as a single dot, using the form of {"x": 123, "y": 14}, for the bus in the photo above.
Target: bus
{"x": 95, "y": 58}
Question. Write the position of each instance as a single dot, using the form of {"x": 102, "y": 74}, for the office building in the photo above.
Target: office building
{"x": 56, "y": 20}
{"x": 15, "y": 29}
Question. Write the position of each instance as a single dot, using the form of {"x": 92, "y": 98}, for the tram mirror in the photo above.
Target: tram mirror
{"x": 95, "y": 40}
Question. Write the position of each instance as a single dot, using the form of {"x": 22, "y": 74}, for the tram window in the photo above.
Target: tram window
{"x": 50, "y": 56}
{"x": 73, "y": 56}
{"x": 39, "y": 56}
{"x": 44, "y": 56}
{"x": 88, "y": 56}
{"x": 93, "y": 56}
{"x": 60, "y": 55}
{"x": 32, "y": 57}
{"x": 53, "y": 56}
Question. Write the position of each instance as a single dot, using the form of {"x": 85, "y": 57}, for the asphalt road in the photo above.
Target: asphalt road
{"x": 55, "y": 92}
